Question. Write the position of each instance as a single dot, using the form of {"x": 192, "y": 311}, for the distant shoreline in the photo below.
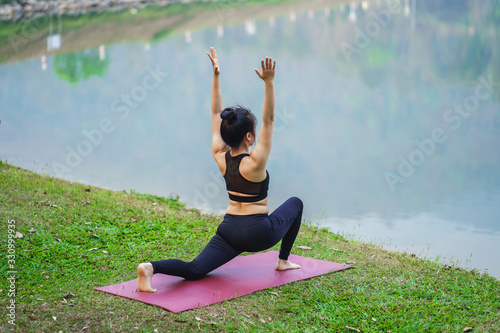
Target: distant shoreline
{"x": 17, "y": 10}
{"x": 27, "y": 38}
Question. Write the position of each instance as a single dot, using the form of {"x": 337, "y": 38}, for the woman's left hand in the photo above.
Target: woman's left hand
{"x": 268, "y": 69}
{"x": 215, "y": 62}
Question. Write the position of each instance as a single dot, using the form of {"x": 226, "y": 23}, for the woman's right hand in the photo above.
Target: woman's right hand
{"x": 268, "y": 67}
{"x": 215, "y": 62}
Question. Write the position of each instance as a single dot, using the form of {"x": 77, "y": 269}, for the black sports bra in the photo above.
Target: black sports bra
{"x": 237, "y": 183}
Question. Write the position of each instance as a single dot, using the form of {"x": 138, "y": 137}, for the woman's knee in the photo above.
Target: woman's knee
{"x": 297, "y": 203}
{"x": 193, "y": 272}
{"x": 194, "y": 276}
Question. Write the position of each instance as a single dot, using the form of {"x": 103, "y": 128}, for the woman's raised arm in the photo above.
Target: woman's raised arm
{"x": 262, "y": 149}
{"x": 218, "y": 145}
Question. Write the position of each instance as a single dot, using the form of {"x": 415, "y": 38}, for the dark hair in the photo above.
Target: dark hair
{"x": 237, "y": 121}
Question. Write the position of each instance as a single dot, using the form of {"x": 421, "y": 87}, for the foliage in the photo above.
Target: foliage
{"x": 80, "y": 66}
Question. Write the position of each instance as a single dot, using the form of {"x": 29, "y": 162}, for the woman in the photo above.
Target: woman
{"x": 247, "y": 225}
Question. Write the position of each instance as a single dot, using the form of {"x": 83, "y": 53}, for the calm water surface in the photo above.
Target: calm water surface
{"x": 388, "y": 125}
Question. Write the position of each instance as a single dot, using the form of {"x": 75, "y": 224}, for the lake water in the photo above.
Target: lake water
{"x": 387, "y": 116}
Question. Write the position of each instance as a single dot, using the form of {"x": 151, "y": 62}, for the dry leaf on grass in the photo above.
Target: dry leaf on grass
{"x": 104, "y": 268}
{"x": 467, "y": 329}
{"x": 68, "y": 295}
{"x": 18, "y": 235}
{"x": 304, "y": 247}
{"x": 352, "y": 329}
{"x": 335, "y": 249}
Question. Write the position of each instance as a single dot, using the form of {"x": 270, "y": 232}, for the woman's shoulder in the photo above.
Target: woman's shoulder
{"x": 252, "y": 170}
{"x": 220, "y": 159}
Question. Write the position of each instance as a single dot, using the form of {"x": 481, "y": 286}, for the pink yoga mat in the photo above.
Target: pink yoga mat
{"x": 240, "y": 276}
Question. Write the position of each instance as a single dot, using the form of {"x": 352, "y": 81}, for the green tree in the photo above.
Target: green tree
{"x": 78, "y": 66}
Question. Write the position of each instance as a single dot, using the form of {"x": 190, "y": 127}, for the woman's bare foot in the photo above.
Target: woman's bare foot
{"x": 284, "y": 265}
{"x": 145, "y": 273}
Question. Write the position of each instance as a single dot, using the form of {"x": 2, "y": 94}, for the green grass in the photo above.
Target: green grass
{"x": 78, "y": 237}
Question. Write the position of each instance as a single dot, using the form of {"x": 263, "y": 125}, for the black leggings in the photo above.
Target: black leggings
{"x": 237, "y": 234}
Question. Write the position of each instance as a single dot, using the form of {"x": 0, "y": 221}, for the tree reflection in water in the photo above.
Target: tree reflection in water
{"x": 80, "y": 66}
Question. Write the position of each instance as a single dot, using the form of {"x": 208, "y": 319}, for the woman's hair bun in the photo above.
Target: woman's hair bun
{"x": 229, "y": 114}
{"x": 237, "y": 121}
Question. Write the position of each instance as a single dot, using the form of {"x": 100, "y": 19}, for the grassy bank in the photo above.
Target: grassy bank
{"x": 76, "y": 237}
